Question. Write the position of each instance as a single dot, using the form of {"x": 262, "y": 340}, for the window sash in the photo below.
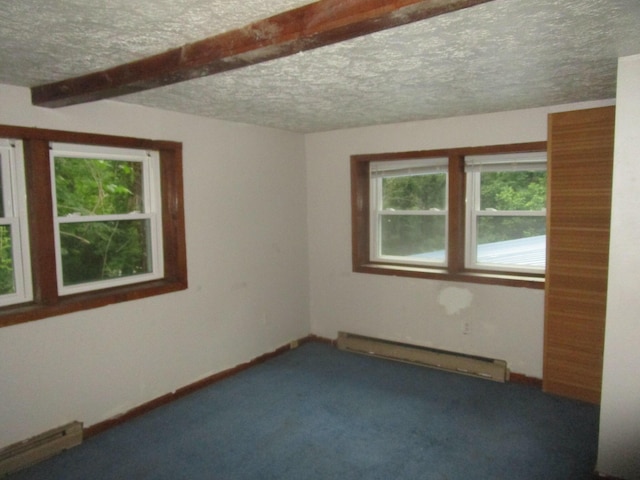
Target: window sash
{"x": 151, "y": 204}
{"x": 475, "y": 165}
{"x": 15, "y": 217}
{"x": 380, "y": 170}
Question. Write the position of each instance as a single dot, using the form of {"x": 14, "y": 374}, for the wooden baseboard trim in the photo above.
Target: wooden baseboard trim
{"x": 525, "y": 380}
{"x": 191, "y": 388}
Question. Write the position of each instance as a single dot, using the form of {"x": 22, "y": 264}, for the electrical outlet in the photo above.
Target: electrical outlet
{"x": 466, "y": 327}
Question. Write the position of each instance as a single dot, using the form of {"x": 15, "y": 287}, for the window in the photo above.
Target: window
{"x": 103, "y": 221}
{"x": 506, "y": 211}
{"x": 409, "y": 211}
{"x": 15, "y": 275}
{"x": 106, "y": 216}
{"x": 471, "y": 214}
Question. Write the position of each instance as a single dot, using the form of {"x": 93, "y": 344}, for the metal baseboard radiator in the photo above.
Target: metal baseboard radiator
{"x": 23, "y": 454}
{"x": 454, "y": 362}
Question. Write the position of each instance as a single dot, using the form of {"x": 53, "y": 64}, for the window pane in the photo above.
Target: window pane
{"x": 518, "y": 190}
{"x": 418, "y": 236}
{"x": 87, "y": 186}
{"x": 512, "y": 241}
{"x": 415, "y": 192}
{"x": 7, "y": 278}
{"x": 93, "y": 251}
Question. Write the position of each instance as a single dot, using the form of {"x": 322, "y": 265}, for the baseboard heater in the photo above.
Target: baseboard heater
{"x": 441, "y": 359}
{"x": 23, "y": 454}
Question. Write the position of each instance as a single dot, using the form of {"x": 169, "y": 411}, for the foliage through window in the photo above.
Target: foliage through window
{"x": 103, "y": 221}
{"x": 473, "y": 214}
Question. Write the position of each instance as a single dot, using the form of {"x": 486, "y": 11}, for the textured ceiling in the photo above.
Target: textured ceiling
{"x": 502, "y": 55}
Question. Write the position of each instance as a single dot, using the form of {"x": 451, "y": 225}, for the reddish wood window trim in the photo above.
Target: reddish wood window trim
{"x": 455, "y": 271}
{"x": 47, "y": 302}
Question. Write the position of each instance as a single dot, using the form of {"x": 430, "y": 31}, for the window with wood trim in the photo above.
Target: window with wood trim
{"x": 506, "y": 209}
{"x": 107, "y": 216}
{"x": 468, "y": 214}
{"x": 103, "y": 221}
{"x": 15, "y": 272}
{"x": 409, "y": 211}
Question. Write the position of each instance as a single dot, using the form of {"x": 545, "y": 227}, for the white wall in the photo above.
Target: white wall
{"x": 619, "y": 449}
{"x": 248, "y": 279}
{"x": 506, "y": 322}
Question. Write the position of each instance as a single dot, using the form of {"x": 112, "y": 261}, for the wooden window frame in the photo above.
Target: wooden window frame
{"x": 455, "y": 269}
{"x": 46, "y": 300}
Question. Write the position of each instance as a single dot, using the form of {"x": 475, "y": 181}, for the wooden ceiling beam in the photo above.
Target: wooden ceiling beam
{"x": 308, "y": 27}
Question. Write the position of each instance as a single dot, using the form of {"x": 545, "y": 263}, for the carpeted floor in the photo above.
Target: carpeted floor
{"x": 320, "y": 413}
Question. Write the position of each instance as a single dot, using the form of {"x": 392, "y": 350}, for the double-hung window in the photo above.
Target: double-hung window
{"x": 506, "y": 211}
{"x": 107, "y": 216}
{"x": 475, "y": 214}
{"x": 87, "y": 220}
{"x": 409, "y": 211}
{"x": 15, "y": 274}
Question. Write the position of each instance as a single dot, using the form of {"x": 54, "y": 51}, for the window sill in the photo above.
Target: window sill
{"x": 26, "y": 312}
{"x": 482, "y": 277}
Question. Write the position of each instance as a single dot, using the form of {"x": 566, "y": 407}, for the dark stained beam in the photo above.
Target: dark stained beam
{"x": 311, "y": 26}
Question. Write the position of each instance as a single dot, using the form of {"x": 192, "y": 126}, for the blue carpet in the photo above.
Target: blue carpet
{"x": 320, "y": 413}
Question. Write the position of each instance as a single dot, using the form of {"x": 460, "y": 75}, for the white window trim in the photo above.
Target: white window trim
{"x": 401, "y": 168}
{"x": 150, "y": 161}
{"x": 474, "y": 166}
{"x": 15, "y": 211}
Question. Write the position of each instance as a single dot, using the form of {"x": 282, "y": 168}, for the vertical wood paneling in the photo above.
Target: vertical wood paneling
{"x": 580, "y": 171}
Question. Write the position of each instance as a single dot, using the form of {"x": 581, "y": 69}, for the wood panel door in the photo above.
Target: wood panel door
{"x": 580, "y": 167}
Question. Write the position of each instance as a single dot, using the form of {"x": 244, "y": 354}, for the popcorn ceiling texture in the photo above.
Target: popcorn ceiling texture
{"x": 503, "y": 55}
{"x": 46, "y": 41}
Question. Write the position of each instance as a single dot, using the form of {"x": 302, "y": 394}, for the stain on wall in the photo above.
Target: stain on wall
{"x": 455, "y": 299}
